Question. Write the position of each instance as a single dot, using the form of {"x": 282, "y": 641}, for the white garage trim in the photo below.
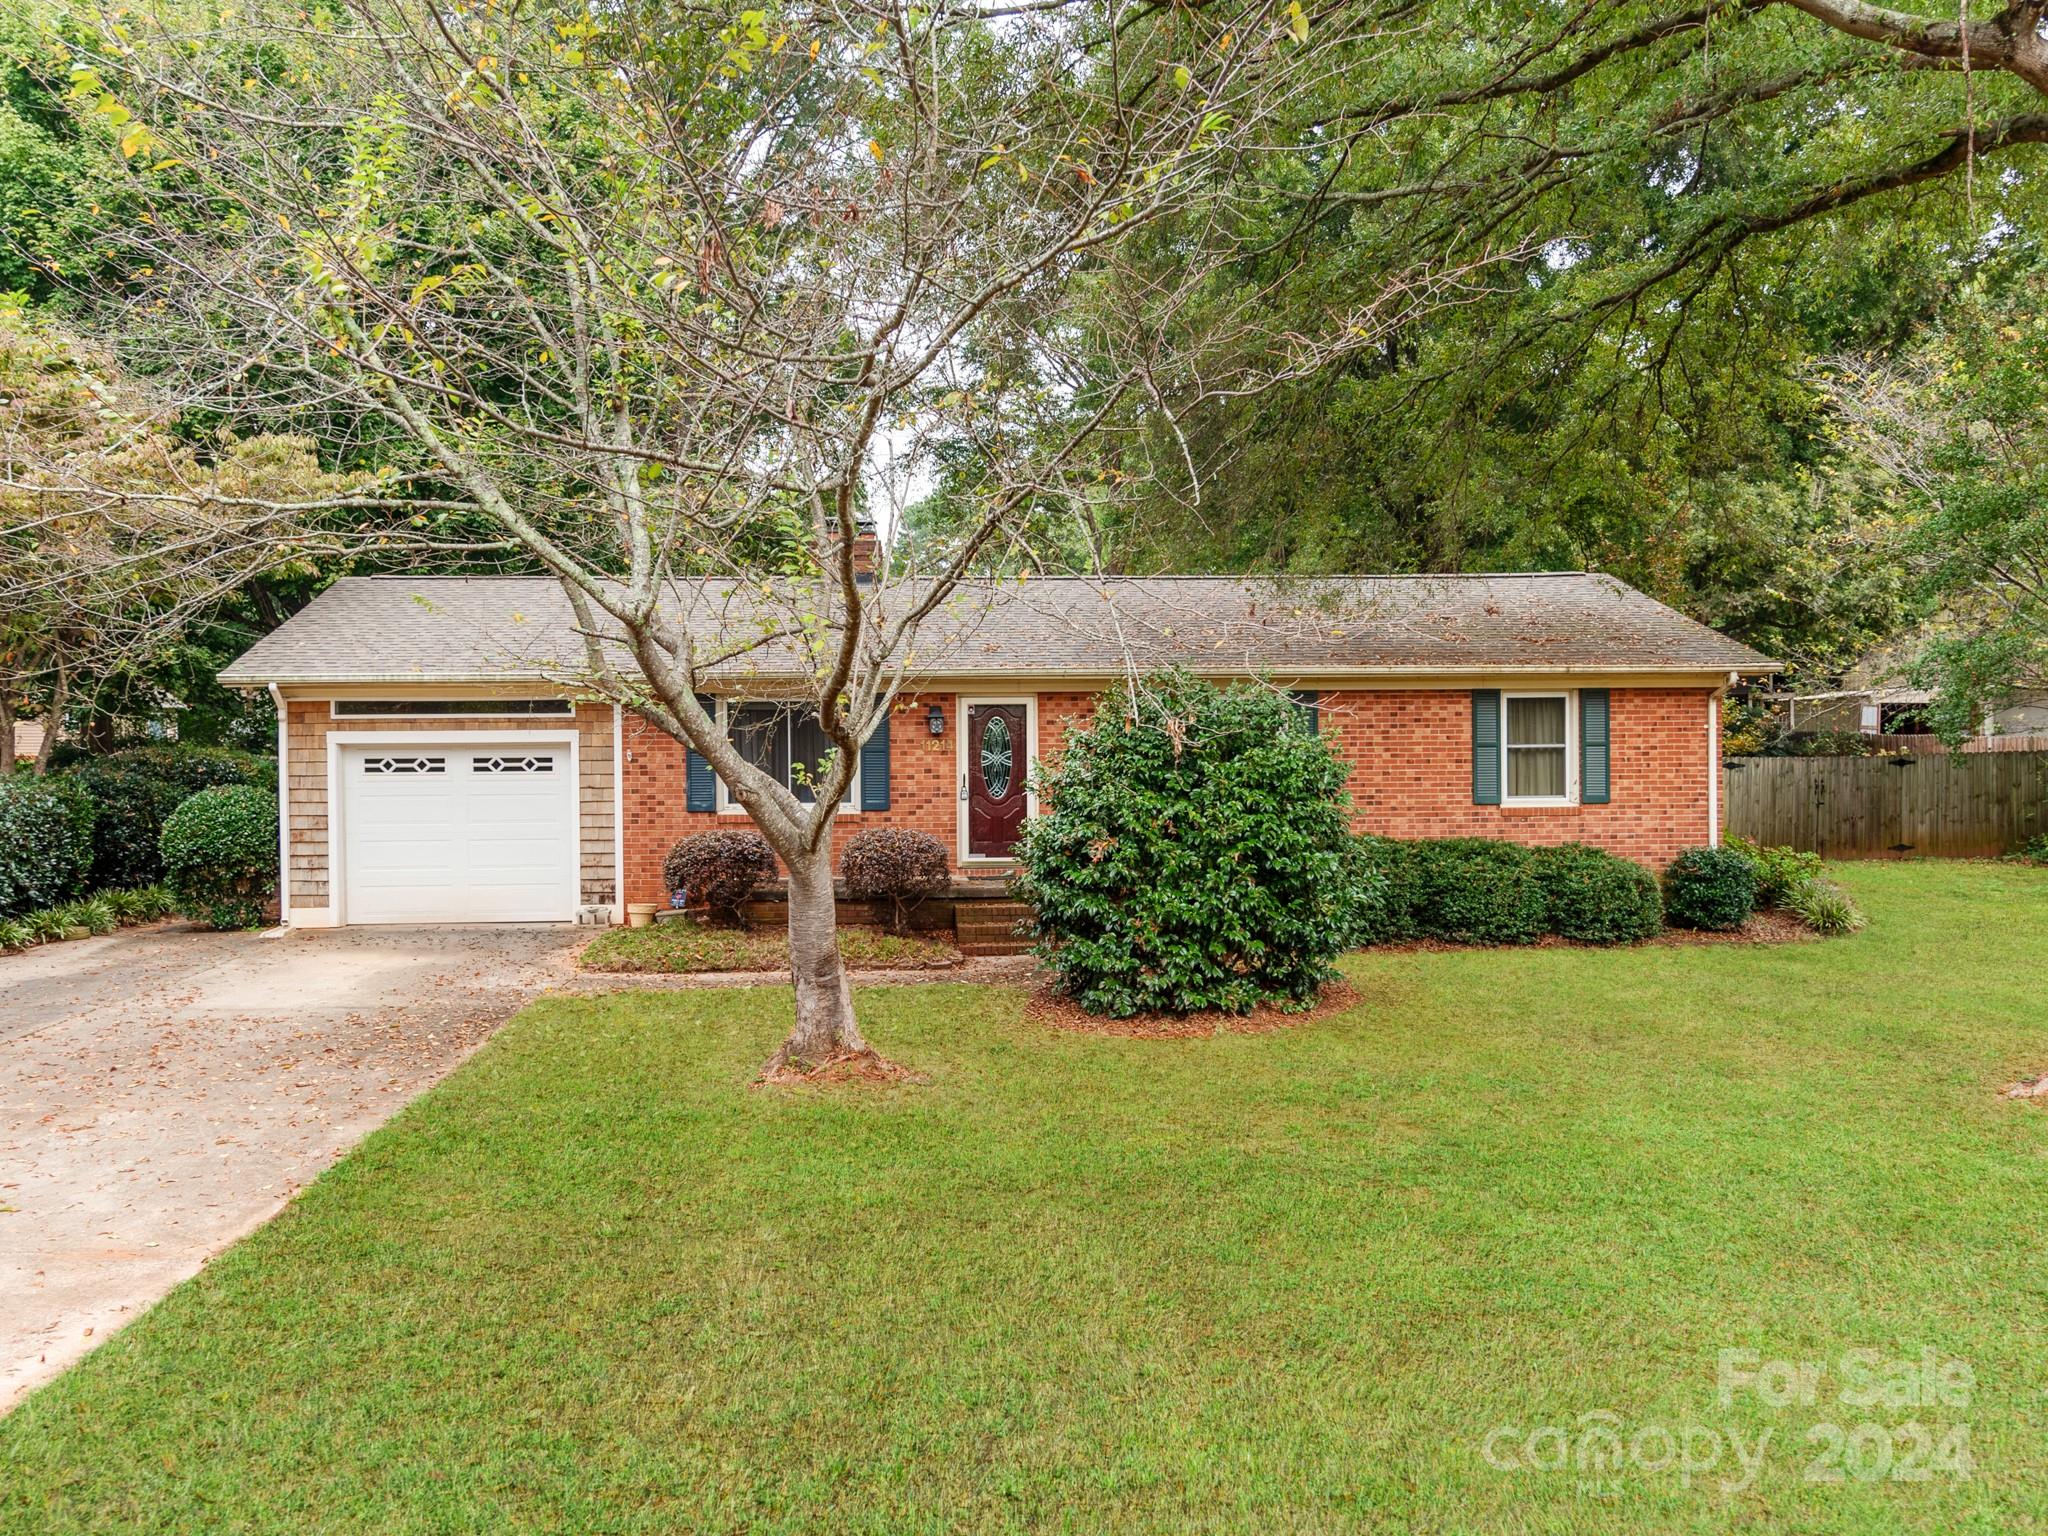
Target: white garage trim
{"x": 453, "y": 741}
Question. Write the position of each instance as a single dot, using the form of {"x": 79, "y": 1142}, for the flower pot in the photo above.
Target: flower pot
{"x": 639, "y": 914}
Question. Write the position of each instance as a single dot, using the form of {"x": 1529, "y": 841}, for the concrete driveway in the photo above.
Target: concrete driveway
{"x": 165, "y": 1090}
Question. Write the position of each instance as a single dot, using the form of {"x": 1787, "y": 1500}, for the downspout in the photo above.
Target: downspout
{"x": 284, "y": 810}
{"x": 618, "y": 816}
{"x": 1714, "y": 767}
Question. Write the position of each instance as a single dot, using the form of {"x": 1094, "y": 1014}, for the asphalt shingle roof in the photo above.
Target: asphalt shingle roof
{"x": 479, "y": 629}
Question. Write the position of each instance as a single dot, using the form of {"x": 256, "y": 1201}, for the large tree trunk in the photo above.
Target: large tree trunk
{"x": 825, "y": 1027}
{"x": 6, "y": 734}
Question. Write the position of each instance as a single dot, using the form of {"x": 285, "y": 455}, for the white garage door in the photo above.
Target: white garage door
{"x": 449, "y": 832}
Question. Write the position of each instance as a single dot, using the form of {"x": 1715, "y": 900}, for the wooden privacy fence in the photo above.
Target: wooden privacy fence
{"x": 1961, "y": 805}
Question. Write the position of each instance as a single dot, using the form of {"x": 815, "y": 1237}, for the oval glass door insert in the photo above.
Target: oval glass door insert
{"x": 996, "y": 757}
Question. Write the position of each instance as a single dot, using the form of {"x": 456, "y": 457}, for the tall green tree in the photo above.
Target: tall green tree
{"x": 642, "y": 290}
{"x": 1712, "y": 197}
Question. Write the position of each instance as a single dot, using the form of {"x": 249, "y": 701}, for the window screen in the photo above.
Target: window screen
{"x": 1536, "y": 748}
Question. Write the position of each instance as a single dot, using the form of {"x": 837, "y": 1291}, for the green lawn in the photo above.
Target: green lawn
{"x": 1260, "y": 1283}
{"x": 690, "y": 946}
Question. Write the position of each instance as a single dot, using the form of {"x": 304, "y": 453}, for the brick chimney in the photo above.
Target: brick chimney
{"x": 867, "y": 551}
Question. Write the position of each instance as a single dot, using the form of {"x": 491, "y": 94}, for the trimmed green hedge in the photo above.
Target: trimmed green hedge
{"x": 220, "y": 855}
{"x": 1710, "y": 888}
{"x": 1476, "y": 890}
{"x": 1190, "y": 854}
{"x": 45, "y": 842}
{"x": 1596, "y": 897}
{"x": 1479, "y": 890}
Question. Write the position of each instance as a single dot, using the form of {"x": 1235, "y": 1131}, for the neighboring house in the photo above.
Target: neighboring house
{"x": 1877, "y": 698}
{"x": 28, "y": 738}
{"x": 441, "y": 768}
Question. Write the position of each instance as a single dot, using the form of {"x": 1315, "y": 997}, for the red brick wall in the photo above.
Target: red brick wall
{"x": 1411, "y": 776}
{"x": 923, "y": 789}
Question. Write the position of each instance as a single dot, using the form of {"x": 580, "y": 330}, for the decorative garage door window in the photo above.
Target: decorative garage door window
{"x": 998, "y": 756}
{"x": 405, "y": 765}
{"x": 523, "y": 763}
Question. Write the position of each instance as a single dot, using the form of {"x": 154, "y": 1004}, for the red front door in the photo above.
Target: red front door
{"x": 996, "y": 764}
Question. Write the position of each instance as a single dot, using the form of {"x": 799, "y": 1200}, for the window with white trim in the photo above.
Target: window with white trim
{"x": 786, "y": 742}
{"x": 1536, "y": 749}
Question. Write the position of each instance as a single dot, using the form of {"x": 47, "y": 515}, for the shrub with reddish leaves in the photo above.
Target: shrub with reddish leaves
{"x": 895, "y": 865}
{"x": 719, "y": 869}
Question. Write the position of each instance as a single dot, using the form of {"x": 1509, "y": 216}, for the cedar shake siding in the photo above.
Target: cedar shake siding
{"x": 305, "y": 775}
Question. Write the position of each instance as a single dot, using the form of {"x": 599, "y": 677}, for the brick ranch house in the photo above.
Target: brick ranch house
{"x": 440, "y": 768}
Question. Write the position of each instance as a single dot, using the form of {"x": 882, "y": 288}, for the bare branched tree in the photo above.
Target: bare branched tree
{"x": 679, "y": 298}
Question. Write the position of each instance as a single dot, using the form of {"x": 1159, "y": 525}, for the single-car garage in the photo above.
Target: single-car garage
{"x": 464, "y": 829}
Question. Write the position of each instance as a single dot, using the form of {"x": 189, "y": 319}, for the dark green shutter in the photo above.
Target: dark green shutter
{"x": 700, "y": 784}
{"x": 1486, "y": 746}
{"x": 1308, "y": 701}
{"x": 1593, "y": 755}
{"x": 874, "y": 769}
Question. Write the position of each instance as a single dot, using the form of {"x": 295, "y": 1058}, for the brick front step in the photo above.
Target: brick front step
{"x": 979, "y": 935}
{"x": 980, "y": 947}
{"x": 994, "y": 912}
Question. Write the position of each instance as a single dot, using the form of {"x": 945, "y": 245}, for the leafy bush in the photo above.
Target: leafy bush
{"x": 1597, "y": 897}
{"x": 195, "y": 768}
{"x": 220, "y": 855}
{"x": 1381, "y": 882}
{"x": 896, "y": 865}
{"x": 102, "y": 914}
{"x": 1192, "y": 854}
{"x": 1478, "y": 890}
{"x": 1365, "y": 891}
{"x": 144, "y": 904}
{"x": 1711, "y": 888}
{"x": 719, "y": 869}
{"x": 1823, "y": 906}
{"x": 2033, "y": 851}
{"x": 1777, "y": 869}
{"x": 133, "y": 806}
{"x": 45, "y": 842}
{"x": 136, "y": 790}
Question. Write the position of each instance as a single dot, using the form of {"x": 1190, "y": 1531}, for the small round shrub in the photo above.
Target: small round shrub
{"x": 1476, "y": 890}
{"x": 220, "y": 855}
{"x": 1596, "y": 897}
{"x": 896, "y": 865}
{"x": 1711, "y": 888}
{"x": 1778, "y": 870}
{"x": 45, "y": 842}
{"x": 1823, "y": 906}
{"x": 1190, "y": 856}
{"x": 719, "y": 869}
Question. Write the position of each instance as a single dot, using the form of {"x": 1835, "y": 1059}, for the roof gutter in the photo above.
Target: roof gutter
{"x": 1716, "y": 670}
